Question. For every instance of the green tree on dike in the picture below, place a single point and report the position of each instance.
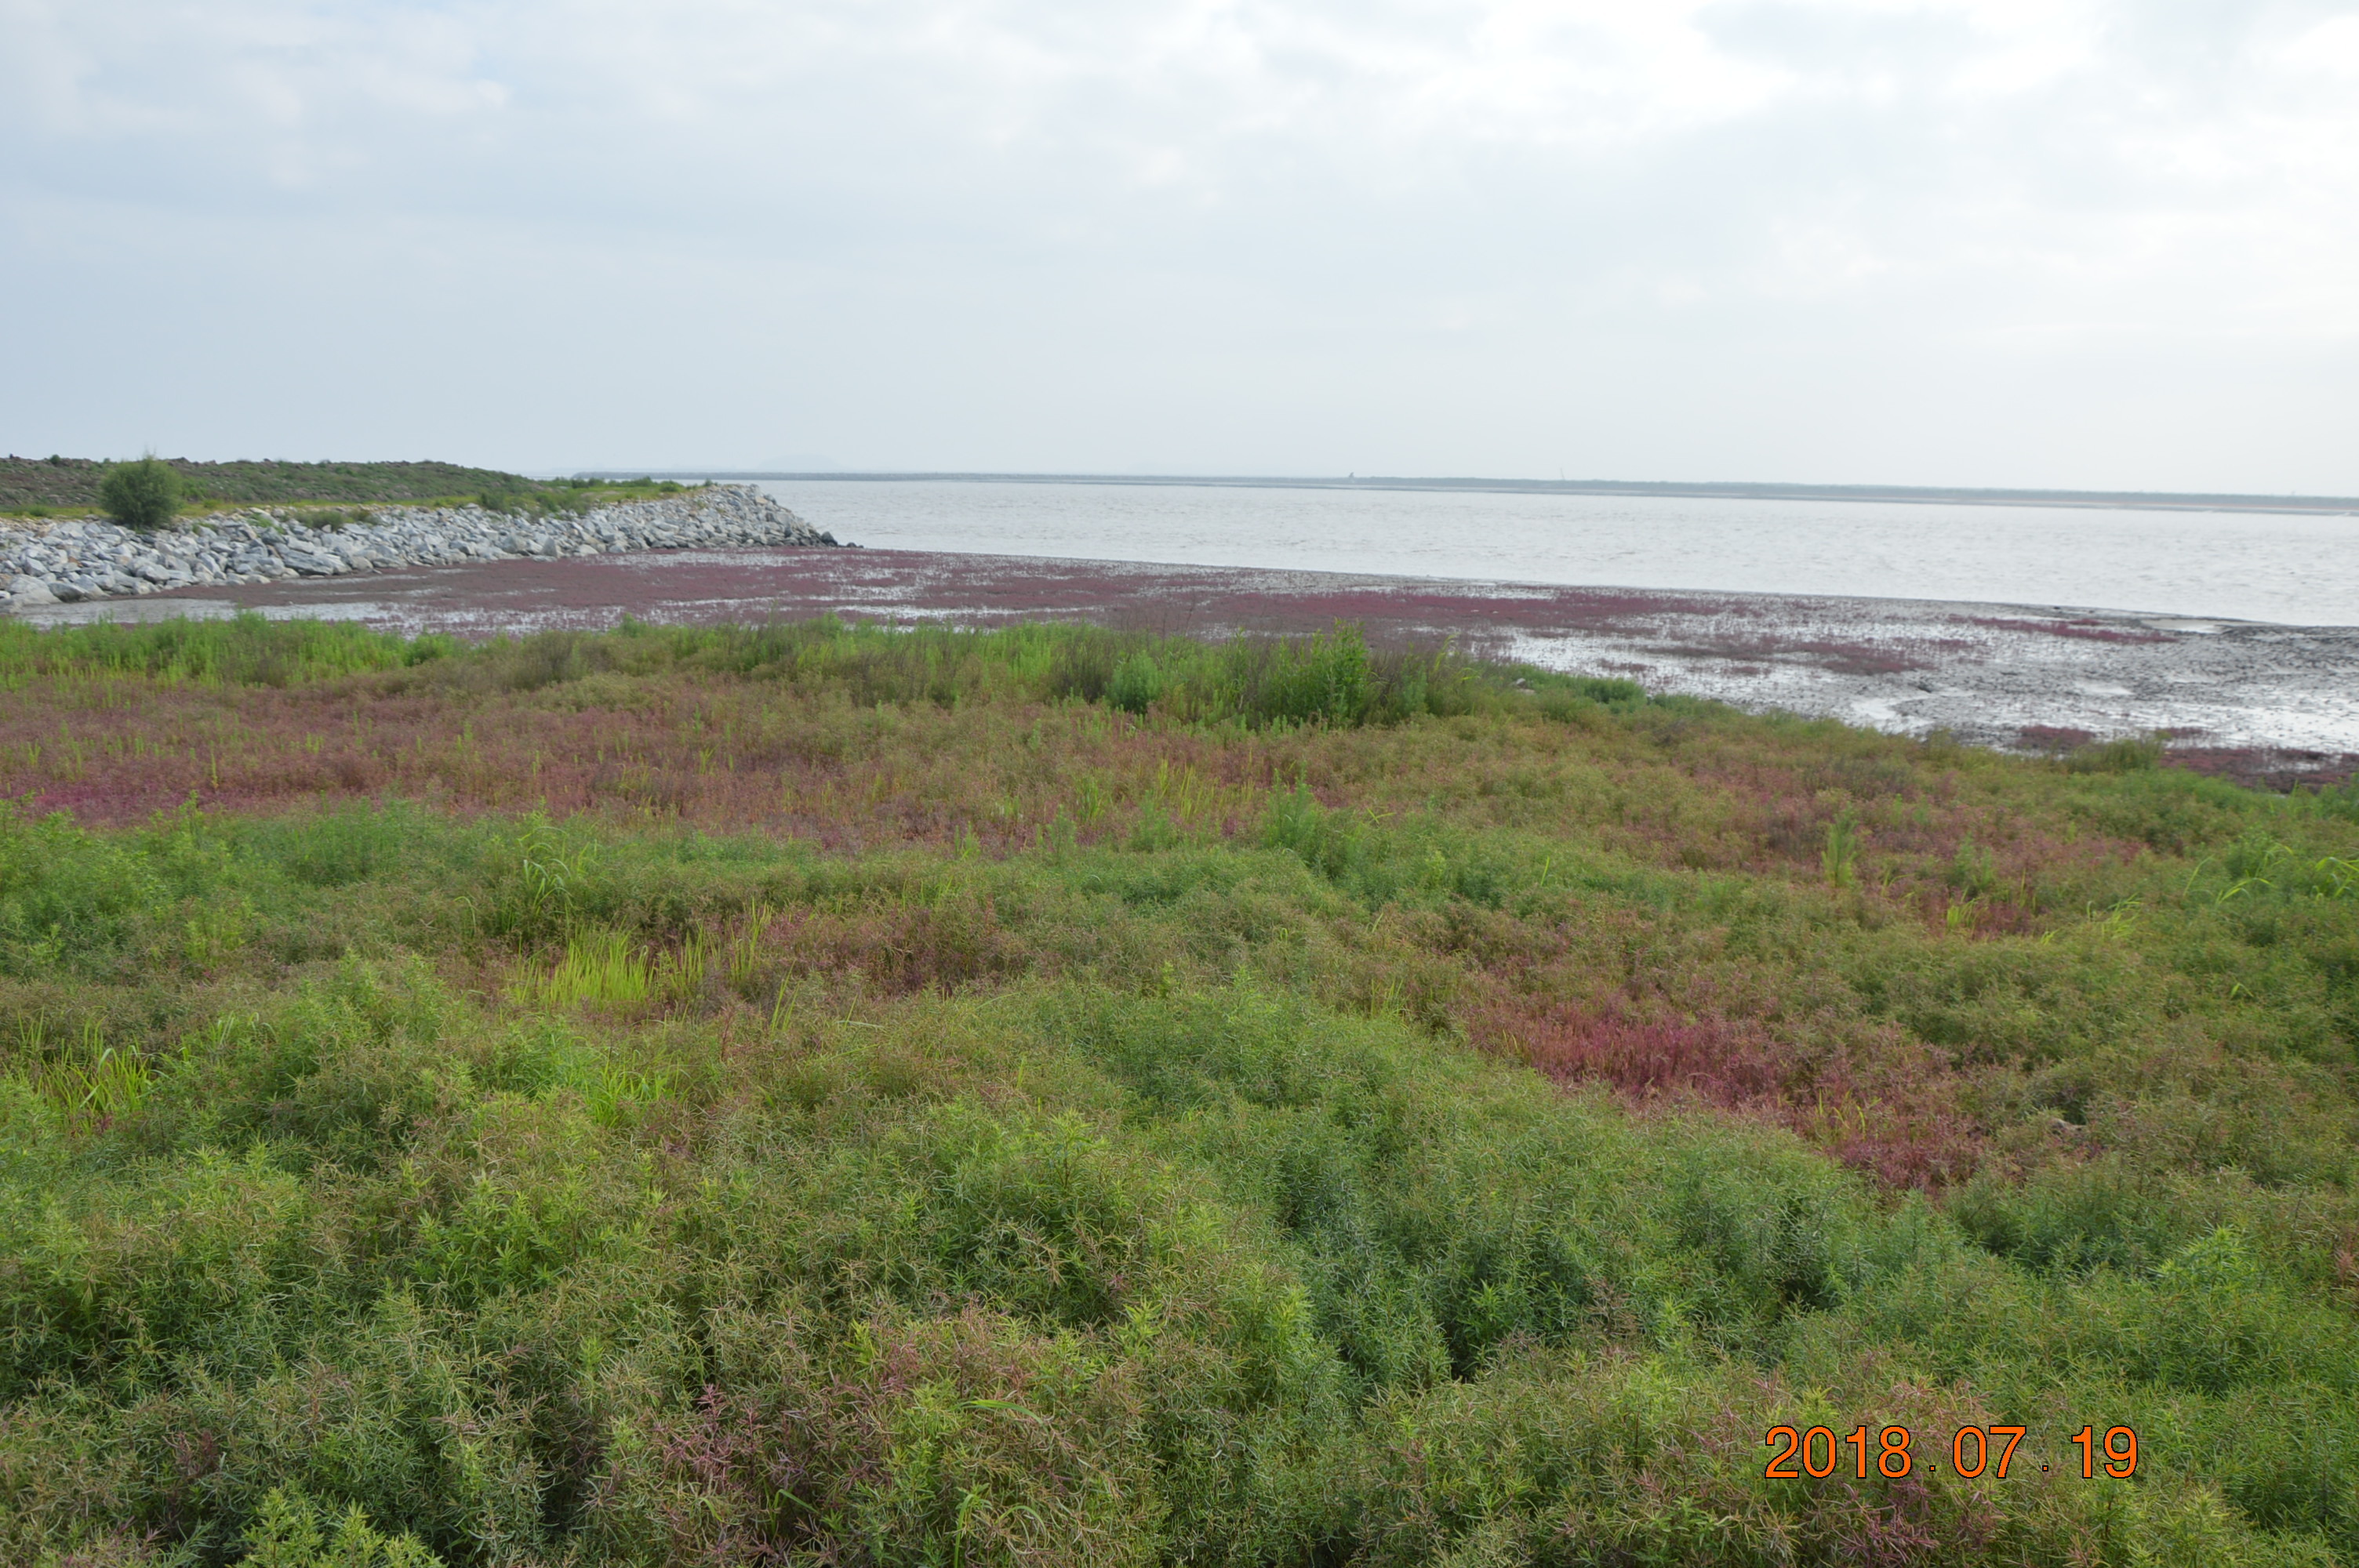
(142, 495)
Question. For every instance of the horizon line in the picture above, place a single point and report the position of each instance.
(1739, 489)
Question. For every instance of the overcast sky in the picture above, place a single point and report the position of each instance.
(1991, 242)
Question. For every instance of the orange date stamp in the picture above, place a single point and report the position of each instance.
(1975, 1451)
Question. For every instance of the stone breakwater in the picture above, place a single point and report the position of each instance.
(62, 562)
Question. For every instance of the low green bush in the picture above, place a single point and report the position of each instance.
(2128, 754)
(145, 495)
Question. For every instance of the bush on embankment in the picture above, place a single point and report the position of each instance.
(144, 495)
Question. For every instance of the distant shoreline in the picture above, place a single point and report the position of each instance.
(1924, 496)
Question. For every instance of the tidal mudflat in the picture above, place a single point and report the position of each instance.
(2266, 703)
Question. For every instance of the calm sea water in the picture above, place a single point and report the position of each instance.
(2252, 567)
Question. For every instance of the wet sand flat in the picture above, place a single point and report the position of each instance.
(2269, 702)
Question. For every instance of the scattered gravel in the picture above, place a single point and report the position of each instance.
(52, 563)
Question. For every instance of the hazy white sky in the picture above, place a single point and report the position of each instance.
(1987, 242)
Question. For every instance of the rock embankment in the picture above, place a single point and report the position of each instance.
(53, 562)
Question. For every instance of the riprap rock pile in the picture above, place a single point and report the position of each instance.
(46, 563)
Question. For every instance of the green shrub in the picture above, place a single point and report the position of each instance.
(247, 650)
(2340, 800)
(2126, 755)
(331, 516)
(1974, 870)
(1326, 680)
(1138, 682)
(68, 897)
(1839, 860)
(143, 495)
(288, 1535)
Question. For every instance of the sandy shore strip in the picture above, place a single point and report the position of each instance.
(2275, 704)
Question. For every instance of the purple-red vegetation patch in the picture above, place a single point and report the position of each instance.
(2086, 630)
(2056, 738)
(1894, 1113)
(1834, 655)
(2281, 769)
(714, 586)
